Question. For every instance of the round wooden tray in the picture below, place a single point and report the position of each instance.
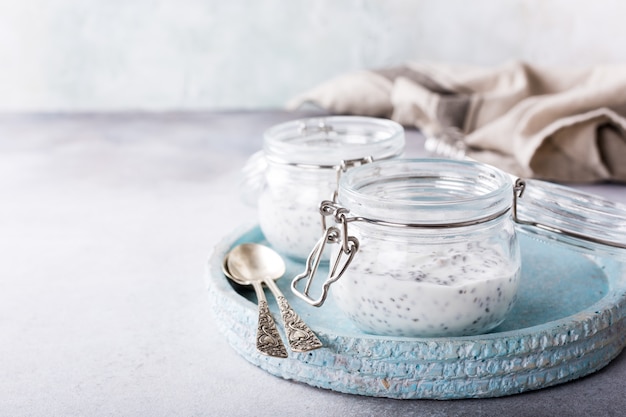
(569, 321)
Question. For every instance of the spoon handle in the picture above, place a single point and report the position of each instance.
(268, 340)
(300, 337)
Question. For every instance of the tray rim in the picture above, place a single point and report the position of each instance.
(591, 338)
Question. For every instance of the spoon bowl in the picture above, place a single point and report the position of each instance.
(251, 262)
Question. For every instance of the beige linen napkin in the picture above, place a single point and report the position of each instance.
(558, 124)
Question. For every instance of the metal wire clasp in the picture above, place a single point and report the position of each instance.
(518, 191)
(343, 167)
(342, 257)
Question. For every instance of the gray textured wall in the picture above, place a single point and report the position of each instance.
(219, 54)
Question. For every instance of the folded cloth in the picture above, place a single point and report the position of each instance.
(558, 124)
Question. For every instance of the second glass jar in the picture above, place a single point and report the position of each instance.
(303, 159)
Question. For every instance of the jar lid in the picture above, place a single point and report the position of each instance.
(326, 141)
(426, 192)
(572, 216)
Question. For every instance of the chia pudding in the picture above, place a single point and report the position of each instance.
(438, 253)
(289, 216)
(439, 290)
(303, 159)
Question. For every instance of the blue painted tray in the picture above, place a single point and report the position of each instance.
(569, 321)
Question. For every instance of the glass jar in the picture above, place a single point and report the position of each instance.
(303, 159)
(424, 248)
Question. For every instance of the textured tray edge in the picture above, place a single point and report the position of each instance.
(468, 368)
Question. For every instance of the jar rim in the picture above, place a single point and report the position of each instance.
(426, 191)
(323, 142)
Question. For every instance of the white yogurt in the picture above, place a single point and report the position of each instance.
(292, 222)
(439, 290)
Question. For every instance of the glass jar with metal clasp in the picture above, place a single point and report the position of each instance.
(420, 248)
(299, 166)
(429, 248)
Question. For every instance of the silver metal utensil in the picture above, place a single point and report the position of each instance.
(268, 339)
(252, 264)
